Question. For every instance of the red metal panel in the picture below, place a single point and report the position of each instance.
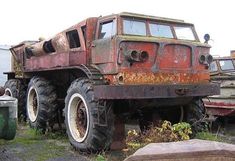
(47, 61)
(77, 58)
(150, 48)
(175, 57)
(220, 108)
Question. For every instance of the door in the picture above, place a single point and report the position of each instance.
(103, 48)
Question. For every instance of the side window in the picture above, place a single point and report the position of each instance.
(107, 29)
(73, 39)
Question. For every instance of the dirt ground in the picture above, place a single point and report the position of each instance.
(30, 146)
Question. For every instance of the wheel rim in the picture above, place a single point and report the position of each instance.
(8, 92)
(32, 104)
(78, 117)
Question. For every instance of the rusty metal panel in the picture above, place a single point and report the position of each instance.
(220, 107)
(47, 61)
(168, 62)
(175, 57)
(102, 51)
(150, 48)
(77, 58)
(56, 60)
(154, 91)
(147, 77)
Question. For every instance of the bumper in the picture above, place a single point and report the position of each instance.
(220, 106)
(155, 91)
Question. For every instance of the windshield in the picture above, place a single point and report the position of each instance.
(134, 27)
(138, 27)
(160, 30)
(226, 65)
(184, 33)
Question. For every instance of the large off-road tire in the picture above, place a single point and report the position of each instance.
(15, 88)
(195, 115)
(41, 103)
(81, 116)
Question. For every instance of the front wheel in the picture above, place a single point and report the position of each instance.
(81, 115)
(196, 116)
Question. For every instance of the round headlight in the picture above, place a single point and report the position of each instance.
(209, 58)
(144, 55)
(132, 55)
(202, 59)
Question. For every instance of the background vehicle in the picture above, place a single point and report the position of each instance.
(104, 70)
(222, 71)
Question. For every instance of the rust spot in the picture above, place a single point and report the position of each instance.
(159, 78)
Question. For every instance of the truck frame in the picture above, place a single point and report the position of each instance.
(104, 70)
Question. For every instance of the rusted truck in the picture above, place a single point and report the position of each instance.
(104, 70)
(222, 71)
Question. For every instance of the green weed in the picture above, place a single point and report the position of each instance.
(208, 136)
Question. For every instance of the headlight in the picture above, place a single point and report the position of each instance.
(202, 59)
(143, 56)
(209, 58)
(205, 59)
(132, 55)
(136, 56)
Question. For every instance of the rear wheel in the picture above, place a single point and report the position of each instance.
(15, 88)
(81, 116)
(41, 103)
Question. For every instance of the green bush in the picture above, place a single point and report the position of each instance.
(163, 133)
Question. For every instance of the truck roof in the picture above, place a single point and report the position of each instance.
(142, 16)
(27, 42)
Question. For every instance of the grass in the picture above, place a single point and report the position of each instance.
(30, 144)
(100, 157)
(208, 136)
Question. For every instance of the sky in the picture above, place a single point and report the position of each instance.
(30, 19)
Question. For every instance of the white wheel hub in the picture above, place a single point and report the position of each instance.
(8, 92)
(78, 117)
(32, 104)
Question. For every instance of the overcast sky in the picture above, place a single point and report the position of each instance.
(31, 19)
